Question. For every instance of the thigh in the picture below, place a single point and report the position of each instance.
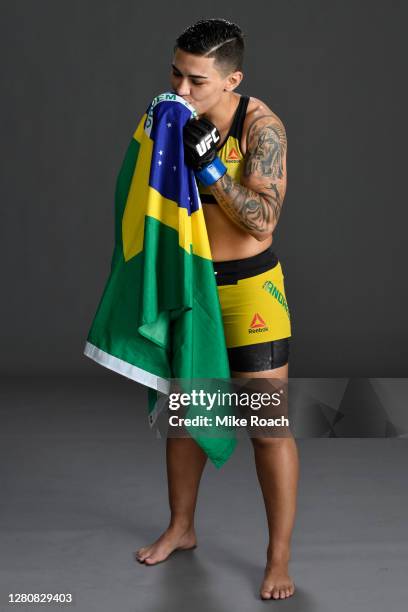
(272, 438)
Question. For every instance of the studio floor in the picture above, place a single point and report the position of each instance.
(83, 485)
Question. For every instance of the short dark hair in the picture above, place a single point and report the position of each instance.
(216, 38)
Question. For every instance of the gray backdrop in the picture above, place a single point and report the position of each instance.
(78, 75)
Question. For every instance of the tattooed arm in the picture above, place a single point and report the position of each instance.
(255, 203)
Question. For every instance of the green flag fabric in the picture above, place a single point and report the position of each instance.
(159, 316)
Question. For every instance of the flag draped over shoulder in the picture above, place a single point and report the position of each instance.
(159, 316)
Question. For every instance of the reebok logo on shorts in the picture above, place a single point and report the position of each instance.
(257, 324)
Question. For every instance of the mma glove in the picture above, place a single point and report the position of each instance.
(200, 138)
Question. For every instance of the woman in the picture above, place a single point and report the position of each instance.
(242, 174)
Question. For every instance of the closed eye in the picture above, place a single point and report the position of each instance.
(177, 74)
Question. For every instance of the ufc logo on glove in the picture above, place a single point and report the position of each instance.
(205, 144)
(200, 151)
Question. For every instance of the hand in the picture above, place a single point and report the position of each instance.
(200, 138)
(200, 142)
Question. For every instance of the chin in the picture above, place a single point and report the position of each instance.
(197, 108)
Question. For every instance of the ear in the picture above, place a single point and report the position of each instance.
(233, 80)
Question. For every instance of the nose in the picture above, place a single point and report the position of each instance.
(183, 88)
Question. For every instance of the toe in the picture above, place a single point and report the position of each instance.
(266, 591)
(282, 594)
(140, 551)
(142, 554)
(275, 593)
(153, 558)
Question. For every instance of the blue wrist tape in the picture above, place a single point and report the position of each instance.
(211, 173)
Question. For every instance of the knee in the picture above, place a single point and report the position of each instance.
(269, 442)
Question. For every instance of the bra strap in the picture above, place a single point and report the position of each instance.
(236, 128)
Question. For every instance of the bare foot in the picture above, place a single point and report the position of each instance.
(277, 583)
(174, 538)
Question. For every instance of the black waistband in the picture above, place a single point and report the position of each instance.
(230, 272)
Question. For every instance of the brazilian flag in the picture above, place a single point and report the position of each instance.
(159, 316)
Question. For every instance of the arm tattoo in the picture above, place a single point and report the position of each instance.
(244, 206)
(257, 211)
(267, 146)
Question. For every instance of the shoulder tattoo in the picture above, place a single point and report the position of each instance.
(266, 145)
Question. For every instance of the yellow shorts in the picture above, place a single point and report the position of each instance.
(255, 310)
